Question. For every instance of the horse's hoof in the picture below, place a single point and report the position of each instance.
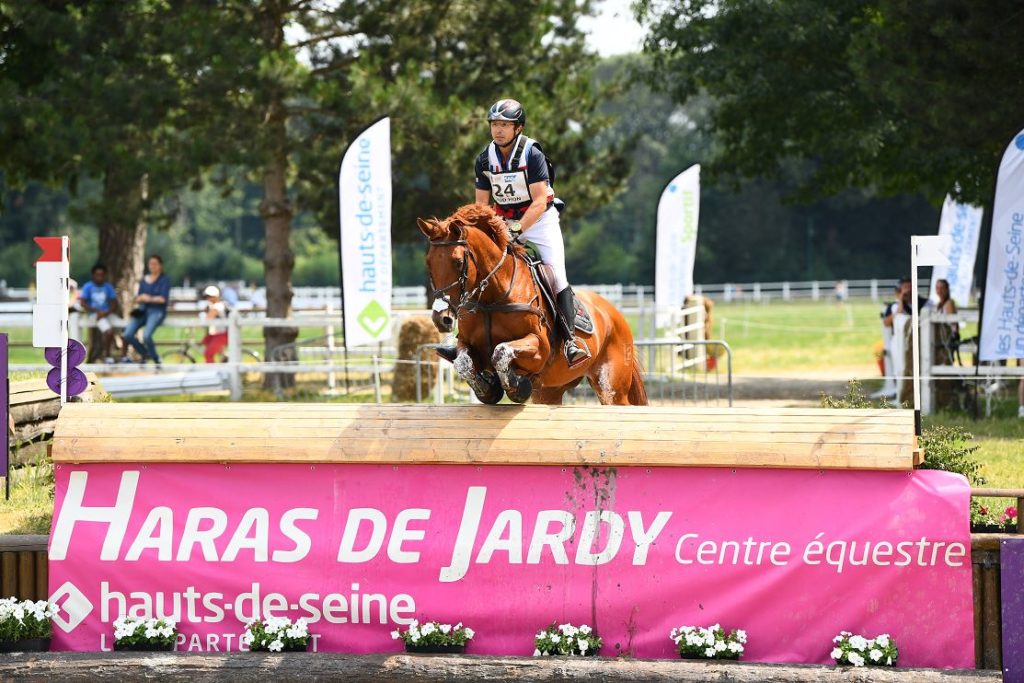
(523, 390)
(488, 388)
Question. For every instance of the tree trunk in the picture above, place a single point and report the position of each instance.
(276, 210)
(122, 240)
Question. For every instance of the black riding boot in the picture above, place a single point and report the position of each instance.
(567, 311)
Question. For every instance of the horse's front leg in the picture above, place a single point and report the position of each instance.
(485, 384)
(515, 361)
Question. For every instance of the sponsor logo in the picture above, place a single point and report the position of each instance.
(72, 607)
(373, 318)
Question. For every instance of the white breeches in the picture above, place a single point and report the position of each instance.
(546, 233)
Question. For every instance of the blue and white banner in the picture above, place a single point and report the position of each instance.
(364, 201)
(678, 213)
(1002, 326)
(962, 224)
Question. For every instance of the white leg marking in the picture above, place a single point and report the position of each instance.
(502, 360)
(604, 382)
(464, 365)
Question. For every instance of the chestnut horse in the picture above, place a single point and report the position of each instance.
(508, 340)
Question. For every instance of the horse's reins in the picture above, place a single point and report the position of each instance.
(470, 300)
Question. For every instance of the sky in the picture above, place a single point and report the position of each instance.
(613, 31)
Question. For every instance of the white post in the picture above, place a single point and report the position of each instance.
(757, 291)
(235, 355)
(874, 289)
(376, 378)
(815, 291)
(785, 291)
(927, 396)
(331, 377)
(914, 322)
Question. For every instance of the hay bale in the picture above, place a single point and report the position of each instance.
(415, 332)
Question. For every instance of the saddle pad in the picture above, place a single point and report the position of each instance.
(584, 323)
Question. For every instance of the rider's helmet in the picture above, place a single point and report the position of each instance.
(507, 110)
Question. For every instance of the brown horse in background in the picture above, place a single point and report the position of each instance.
(508, 337)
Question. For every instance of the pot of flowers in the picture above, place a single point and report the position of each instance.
(566, 640)
(144, 635)
(984, 521)
(434, 638)
(276, 634)
(697, 642)
(855, 650)
(25, 625)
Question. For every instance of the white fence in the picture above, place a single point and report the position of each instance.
(622, 295)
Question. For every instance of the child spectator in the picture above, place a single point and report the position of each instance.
(216, 337)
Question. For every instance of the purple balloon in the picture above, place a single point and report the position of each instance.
(76, 353)
(77, 381)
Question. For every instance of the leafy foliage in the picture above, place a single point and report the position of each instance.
(881, 94)
(25, 619)
(434, 633)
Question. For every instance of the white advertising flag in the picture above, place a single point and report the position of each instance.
(678, 213)
(364, 201)
(962, 223)
(1002, 325)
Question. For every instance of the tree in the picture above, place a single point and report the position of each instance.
(107, 91)
(893, 95)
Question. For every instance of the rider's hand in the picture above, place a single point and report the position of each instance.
(514, 227)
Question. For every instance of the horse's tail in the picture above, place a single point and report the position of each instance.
(637, 391)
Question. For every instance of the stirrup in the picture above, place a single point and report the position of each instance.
(449, 352)
(574, 353)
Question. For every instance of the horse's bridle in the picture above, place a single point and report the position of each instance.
(470, 300)
(468, 255)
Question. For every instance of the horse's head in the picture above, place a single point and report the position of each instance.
(448, 265)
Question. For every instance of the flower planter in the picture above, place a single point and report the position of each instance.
(687, 655)
(27, 645)
(144, 647)
(993, 528)
(436, 649)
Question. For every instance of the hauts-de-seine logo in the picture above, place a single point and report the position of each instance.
(373, 318)
(72, 607)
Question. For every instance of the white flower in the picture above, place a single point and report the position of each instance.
(469, 633)
(709, 652)
(735, 647)
(583, 645)
(395, 635)
(855, 659)
(741, 635)
(536, 653)
(585, 630)
(276, 646)
(446, 628)
(888, 662)
(875, 655)
(428, 629)
(883, 639)
(837, 654)
(720, 646)
(858, 642)
(152, 633)
(415, 638)
(555, 638)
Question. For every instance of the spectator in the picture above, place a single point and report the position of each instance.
(945, 345)
(99, 300)
(150, 309)
(216, 337)
(230, 295)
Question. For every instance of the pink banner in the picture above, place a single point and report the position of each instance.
(793, 557)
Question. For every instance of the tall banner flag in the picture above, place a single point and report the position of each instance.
(678, 212)
(962, 223)
(364, 209)
(1002, 325)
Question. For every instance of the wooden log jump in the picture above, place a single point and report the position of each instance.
(526, 435)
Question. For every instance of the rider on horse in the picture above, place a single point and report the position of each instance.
(513, 171)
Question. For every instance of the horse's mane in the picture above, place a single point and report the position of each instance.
(484, 219)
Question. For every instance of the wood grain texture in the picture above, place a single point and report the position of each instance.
(245, 667)
(523, 435)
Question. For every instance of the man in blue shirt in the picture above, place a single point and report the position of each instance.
(99, 300)
(513, 172)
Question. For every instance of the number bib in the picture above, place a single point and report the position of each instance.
(509, 189)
